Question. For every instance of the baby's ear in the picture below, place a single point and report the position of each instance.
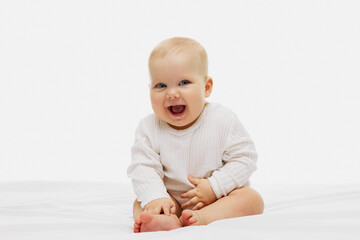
(208, 86)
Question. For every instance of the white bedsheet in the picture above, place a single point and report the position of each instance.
(94, 210)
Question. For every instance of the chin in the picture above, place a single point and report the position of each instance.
(176, 125)
(182, 126)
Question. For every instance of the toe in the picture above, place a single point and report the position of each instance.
(185, 217)
(192, 220)
(137, 220)
(136, 228)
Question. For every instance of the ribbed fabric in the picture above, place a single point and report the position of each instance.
(216, 147)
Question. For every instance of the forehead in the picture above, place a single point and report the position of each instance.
(176, 62)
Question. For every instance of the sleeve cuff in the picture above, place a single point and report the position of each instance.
(216, 187)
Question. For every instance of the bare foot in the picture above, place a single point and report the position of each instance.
(147, 222)
(190, 218)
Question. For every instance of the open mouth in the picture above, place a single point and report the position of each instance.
(177, 109)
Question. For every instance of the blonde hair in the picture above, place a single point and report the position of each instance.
(179, 44)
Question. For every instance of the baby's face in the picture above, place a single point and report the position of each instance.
(178, 89)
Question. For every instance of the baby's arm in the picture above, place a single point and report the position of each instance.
(146, 170)
(201, 196)
(239, 161)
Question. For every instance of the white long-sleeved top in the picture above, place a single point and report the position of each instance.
(216, 147)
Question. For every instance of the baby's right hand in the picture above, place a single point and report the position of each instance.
(161, 205)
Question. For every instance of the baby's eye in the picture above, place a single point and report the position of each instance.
(160, 85)
(184, 82)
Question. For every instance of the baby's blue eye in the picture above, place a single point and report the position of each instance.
(184, 82)
(160, 85)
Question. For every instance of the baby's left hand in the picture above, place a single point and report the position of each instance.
(201, 196)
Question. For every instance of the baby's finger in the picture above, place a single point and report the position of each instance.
(194, 181)
(189, 194)
(172, 210)
(166, 210)
(191, 202)
(157, 210)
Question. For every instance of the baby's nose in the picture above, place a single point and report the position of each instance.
(172, 94)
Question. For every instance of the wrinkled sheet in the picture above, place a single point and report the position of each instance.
(102, 210)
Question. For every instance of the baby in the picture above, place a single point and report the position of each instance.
(191, 160)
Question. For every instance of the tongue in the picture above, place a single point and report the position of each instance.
(177, 108)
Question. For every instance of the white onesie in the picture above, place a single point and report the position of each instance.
(216, 147)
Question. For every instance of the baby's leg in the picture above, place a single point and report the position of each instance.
(244, 201)
(147, 222)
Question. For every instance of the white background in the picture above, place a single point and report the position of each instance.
(74, 83)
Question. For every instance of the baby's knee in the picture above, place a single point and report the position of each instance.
(250, 199)
(258, 202)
